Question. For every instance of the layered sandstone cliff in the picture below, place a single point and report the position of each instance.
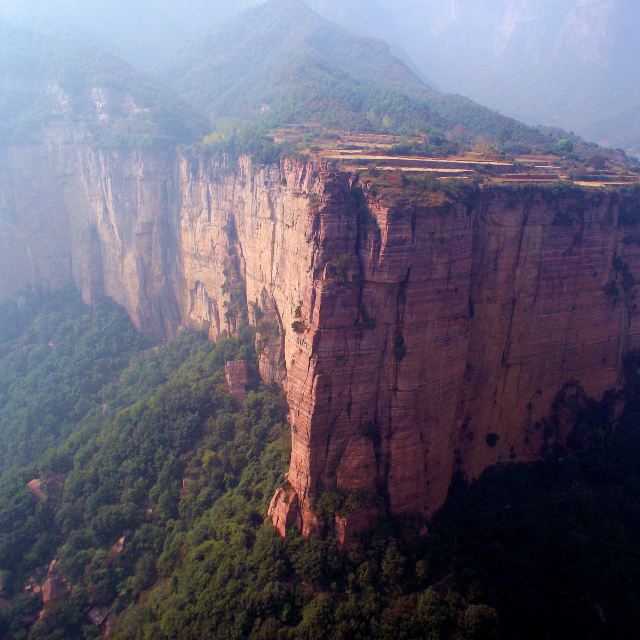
(443, 346)
(417, 332)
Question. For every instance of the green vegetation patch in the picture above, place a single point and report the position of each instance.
(183, 476)
(50, 80)
(56, 357)
(164, 445)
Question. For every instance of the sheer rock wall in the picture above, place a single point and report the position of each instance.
(417, 333)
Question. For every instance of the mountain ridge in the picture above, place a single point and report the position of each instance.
(568, 64)
(361, 80)
(47, 80)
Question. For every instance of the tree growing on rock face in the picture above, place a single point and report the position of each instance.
(598, 161)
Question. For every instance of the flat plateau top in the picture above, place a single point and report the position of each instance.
(388, 153)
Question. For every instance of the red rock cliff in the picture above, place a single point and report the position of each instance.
(439, 332)
(417, 332)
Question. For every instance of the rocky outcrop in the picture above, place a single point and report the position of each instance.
(237, 376)
(35, 486)
(443, 328)
(98, 615)
(41, 488)
(53, 589)
(418, 331)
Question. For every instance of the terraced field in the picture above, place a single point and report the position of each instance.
(378, 152)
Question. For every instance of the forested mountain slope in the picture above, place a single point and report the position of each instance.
(567, 63)
(281, 62)
(50, 83)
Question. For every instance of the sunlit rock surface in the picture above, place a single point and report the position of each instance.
(417, 333)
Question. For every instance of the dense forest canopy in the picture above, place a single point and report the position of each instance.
(56, 355)
(157, 486)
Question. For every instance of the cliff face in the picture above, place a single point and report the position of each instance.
(417, 332)
(444, 345)
(104, 220)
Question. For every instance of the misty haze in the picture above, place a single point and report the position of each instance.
(319, 320)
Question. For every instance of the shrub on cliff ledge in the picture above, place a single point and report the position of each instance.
(251, 141)
(299, 326)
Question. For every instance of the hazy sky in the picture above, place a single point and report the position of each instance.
(145, 31)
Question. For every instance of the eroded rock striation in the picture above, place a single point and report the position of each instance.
(418, 331)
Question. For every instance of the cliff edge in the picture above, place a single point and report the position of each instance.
(419, 328)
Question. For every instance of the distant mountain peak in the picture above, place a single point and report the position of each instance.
(284, 55)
